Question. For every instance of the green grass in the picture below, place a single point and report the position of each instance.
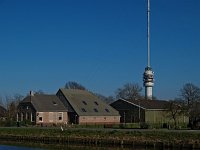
(100, 132)
(137, 135)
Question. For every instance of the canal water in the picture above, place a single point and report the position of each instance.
(6, 145)
(39, 146)
(60, 147)
(9, 147)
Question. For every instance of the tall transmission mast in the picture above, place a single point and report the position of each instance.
(148, 76)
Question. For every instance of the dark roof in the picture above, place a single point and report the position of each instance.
(87, 104)
(45, 103)
(148, 104)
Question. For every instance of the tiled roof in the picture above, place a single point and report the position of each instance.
(149, 104)
(87, 104)
(45, 103)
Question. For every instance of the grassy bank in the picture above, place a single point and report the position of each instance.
(123, 136)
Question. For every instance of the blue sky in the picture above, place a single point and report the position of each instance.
(100, 44)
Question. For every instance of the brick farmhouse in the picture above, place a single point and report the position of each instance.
(68, 106)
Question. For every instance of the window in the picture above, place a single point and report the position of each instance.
(95, 110)
(17, 117)
(84, 102)
(32, 117)
(22, 116)
(40, 118)
(27, 116)
(60, 116)
(50, 116)
(107, 110)
(96, 103)
(83, 109)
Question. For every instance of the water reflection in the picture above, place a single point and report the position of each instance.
(9, 147)
(22, 146)
(39, 146)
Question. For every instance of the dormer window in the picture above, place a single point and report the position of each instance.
(54, 103)
(96, 103)
(84, 102)
(96, 110)
(83, 109)
(107, 110)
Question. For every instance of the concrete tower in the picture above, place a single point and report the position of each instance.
(148, 76)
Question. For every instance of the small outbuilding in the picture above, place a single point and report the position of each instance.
(144, 111)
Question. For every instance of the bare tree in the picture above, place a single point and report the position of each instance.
(17, 98)
(107, 100)
(74, 85)
(2, 108)
(1, 101)
(190, 93)
(39, 92)
(11, 108)
(174, 110)
(129, 91)
(11, 104)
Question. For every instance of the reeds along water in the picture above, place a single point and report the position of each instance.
(95, 142)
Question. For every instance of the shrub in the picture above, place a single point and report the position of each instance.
(144, 125)
(165, 125)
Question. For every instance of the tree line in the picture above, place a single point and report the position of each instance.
(188, 104)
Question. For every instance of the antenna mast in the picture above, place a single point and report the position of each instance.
(148, 76)
(148, 32)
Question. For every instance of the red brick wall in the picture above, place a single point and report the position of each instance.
(99, 119)
(52, 118)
